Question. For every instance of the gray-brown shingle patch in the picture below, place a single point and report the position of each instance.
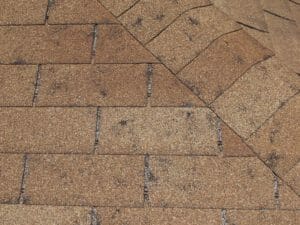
(47, 130)
(93, 85)
(85, 180)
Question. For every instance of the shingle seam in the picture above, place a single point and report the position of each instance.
(163, 207)
(239, 77)
(85, 63)
(22, 196)
(219, 135)
(292, 167)
(276, 191)
(126, 10)
(294, 2)
(250, 147)
(116, 154)
(224, 217)
(277, 15)
(58, 24)
(174, 20)
(95, 220)
(97, 129)
(252, 27)
(149, 74)
(49, 5)
(214, 40)
(147, 175)
(157, 58)
(272, 115)
(36, 85)
(94, 43)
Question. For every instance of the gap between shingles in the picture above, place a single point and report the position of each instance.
(224, 217)
(36, 85)
(94, 43)
(97, 129)
(95, 220)
(147, 175)
(219, 135)
(49, 4)
(276, 191)
(22, 197)
(149, 74)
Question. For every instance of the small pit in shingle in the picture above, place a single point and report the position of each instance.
(138, 22)
(123, 122)
(193, 21)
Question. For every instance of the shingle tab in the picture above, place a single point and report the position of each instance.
(45, 44)
(47, 130)
(85, 180)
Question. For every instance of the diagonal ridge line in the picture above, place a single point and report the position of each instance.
(252, 27)
(272, 115)
(174, 20)
(126, 10)
(277, 15)
(240, 76)
(214, 40)
(251, 148)
(159, 60)
(294, 2)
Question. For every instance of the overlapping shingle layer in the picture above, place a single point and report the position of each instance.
(150, 112)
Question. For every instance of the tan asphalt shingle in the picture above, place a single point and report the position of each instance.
(149, 112)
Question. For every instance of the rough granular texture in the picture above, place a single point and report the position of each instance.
(251, 100)
(158, 131)
(149, 112)
(45, 44)
(36, 215)
(78, 12)
(11, 170)
(93, 85)
(47, 130)
(17, 85)
(200, 181)
(85, 180)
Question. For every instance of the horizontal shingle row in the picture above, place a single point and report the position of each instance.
(54, 12)
(92, 85)
(40, 44)
(118, 130)
(170, 181)
(48, 215)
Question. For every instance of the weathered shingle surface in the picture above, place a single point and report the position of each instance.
(149, 112)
